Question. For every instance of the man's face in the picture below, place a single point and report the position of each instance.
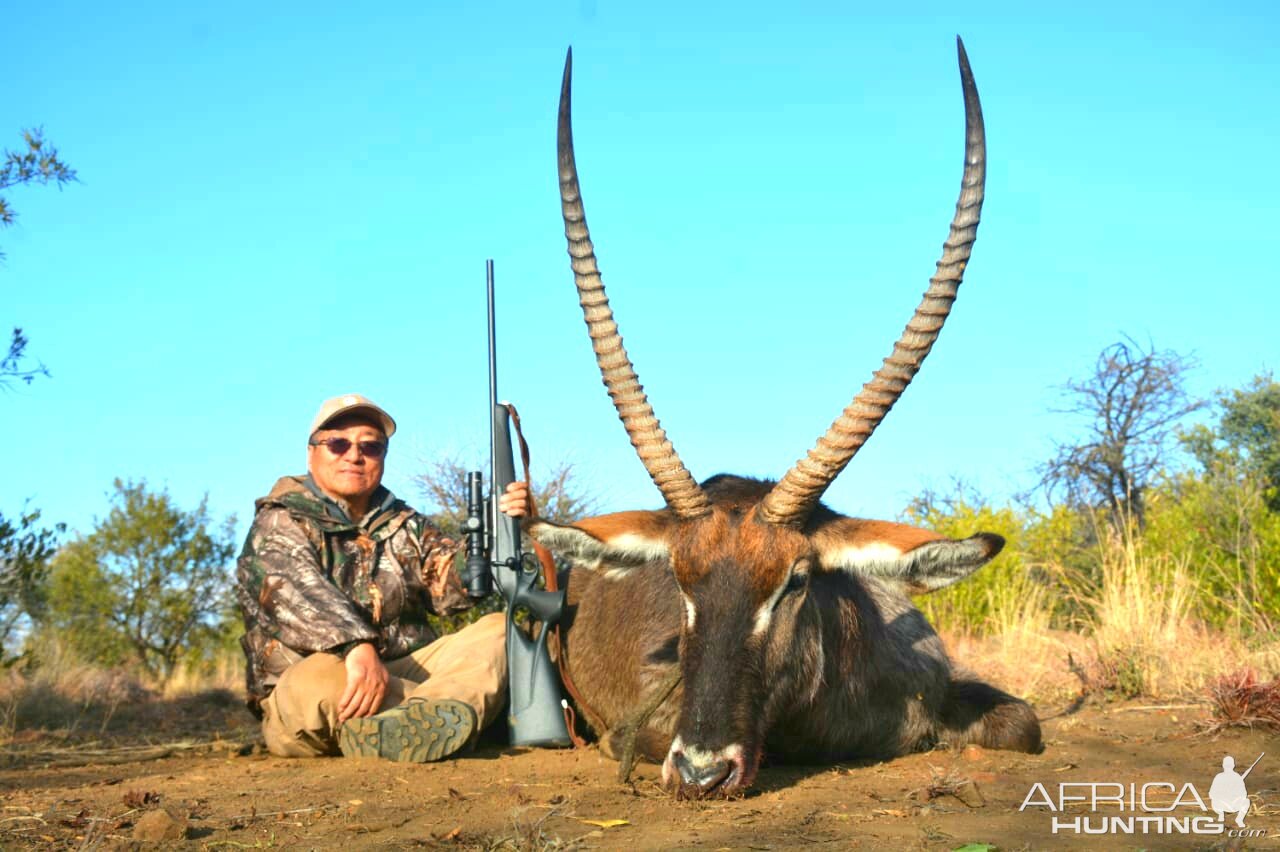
(353, 476)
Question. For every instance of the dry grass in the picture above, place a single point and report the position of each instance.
(73, 698)
(1031, 665)
(949, 782)
(226, 671)
(1240, 699)
(64, 703)
(529, 834)
(1018, 650)
(1143, 606)
(1137, 633)
(1146, 634)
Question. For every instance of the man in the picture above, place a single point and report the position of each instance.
(335, 582)
(1227, 793)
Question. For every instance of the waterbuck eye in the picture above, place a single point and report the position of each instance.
(797, 580)
(798, 583)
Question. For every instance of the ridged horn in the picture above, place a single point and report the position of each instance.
(796, 494)
(656, 453)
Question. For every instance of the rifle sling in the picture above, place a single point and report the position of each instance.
(552, 585)
(629, 727)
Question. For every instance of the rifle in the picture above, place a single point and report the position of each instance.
(494, 557)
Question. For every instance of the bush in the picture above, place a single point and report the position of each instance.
(150, 585)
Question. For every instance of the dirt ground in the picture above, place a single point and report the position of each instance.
(216, 790)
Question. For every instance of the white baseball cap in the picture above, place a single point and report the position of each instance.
(332, 408)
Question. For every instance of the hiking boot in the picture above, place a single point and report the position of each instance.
(418, 731)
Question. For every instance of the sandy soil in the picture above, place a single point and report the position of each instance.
(227, 794)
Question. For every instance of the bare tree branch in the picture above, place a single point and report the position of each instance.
(1131, 406)
(10, 364)
(558, 494)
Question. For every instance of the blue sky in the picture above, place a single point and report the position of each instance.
(283, 202)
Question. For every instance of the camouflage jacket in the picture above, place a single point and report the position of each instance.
(311, 579)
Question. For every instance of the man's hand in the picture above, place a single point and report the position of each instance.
(366, 683)
(515, 500)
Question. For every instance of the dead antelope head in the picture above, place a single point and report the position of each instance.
(747, 554)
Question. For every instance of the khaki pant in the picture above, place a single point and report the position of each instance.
(300, 716)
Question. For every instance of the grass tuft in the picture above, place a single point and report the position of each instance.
(1240, 699)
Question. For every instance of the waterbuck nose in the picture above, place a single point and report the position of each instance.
(703, 777)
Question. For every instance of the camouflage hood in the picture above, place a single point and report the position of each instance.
(303, 499)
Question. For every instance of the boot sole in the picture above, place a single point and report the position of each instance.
(417, 732)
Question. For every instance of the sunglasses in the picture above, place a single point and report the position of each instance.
(340, 446)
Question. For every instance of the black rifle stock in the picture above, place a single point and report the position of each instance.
(494, 557)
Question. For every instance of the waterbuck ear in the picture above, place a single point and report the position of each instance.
(920, 560)
(620, 541)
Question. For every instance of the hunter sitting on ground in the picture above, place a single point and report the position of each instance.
(335, 582)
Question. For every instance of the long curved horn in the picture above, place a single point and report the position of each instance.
(795, 495)
(656, 453)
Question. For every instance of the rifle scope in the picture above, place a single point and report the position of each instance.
(479, 574)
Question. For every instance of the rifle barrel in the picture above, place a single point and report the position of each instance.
(493, 338)
(534, 716)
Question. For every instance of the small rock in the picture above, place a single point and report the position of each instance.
(161, 824)
(973, 752)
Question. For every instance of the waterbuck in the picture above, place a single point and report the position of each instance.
(790, 625)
